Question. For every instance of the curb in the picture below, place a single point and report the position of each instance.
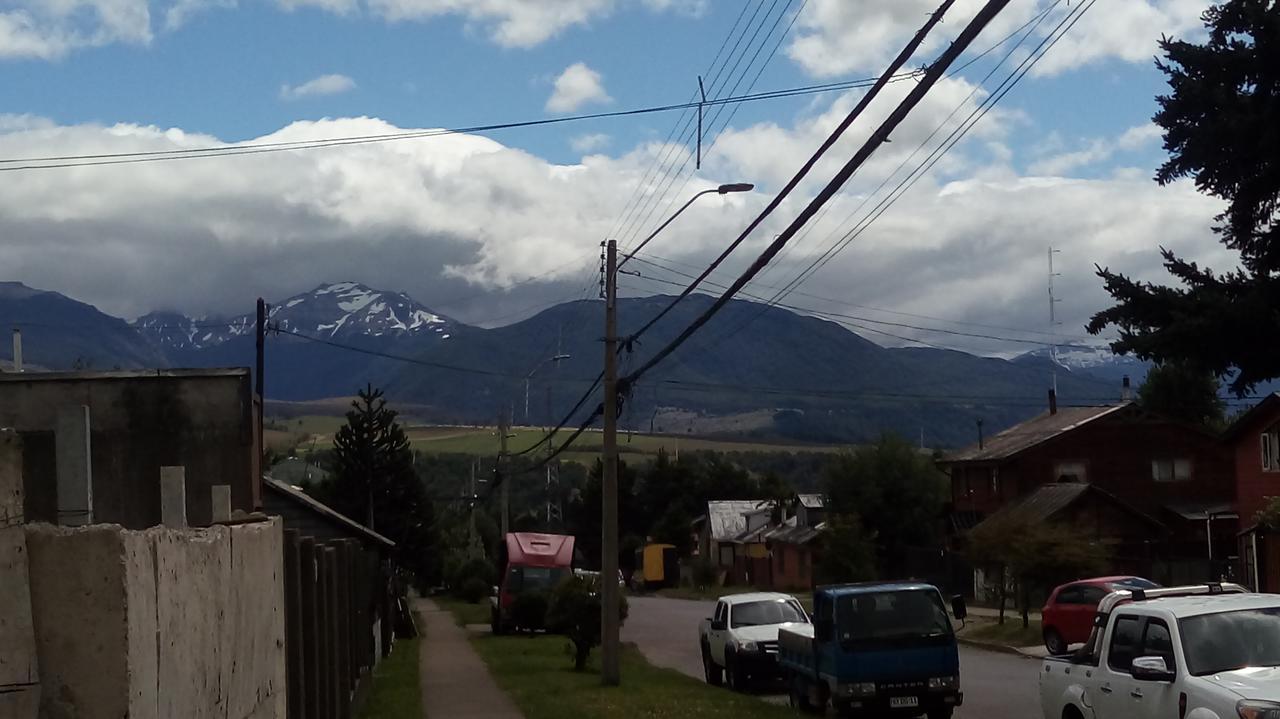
(994, 647)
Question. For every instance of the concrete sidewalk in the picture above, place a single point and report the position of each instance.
(456, 684)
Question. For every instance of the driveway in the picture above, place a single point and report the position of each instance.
(996, 685)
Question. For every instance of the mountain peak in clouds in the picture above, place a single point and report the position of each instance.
(333, 310)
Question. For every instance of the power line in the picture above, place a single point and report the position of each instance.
(878, 137)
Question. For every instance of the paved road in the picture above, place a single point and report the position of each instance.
(996, 685)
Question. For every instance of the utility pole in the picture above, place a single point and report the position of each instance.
(260, 399)
(609, 641)
(498, 471)
(1053, 321)
(473, 539)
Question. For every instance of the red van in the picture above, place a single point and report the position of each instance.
(528, 562)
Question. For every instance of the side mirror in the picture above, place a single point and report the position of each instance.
(958, 608)
(717, 626)
(493, 591)
(1151, 669)
(822, 629)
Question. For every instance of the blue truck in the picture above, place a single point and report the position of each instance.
(875, 649)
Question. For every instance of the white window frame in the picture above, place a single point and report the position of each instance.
(1270, 441)
(1179, 469)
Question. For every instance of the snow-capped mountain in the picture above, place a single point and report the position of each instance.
(1097, 360)
(331, 311)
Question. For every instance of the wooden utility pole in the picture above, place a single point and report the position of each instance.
(260, 400)
(501, 477)
(609, 641)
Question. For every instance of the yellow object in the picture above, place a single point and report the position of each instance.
(654, 569)
(757, 551)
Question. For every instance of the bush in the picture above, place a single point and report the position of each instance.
(574, 611)
(473, 589)
(705, 574)
(467, 570)
(529, 610)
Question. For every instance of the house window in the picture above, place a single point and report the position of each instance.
(1070, 472)
(1171, 470)
(1271, 450)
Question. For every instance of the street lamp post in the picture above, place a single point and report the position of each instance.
(610, 623)
(557, 359)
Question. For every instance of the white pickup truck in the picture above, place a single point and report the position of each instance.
(1204, 652)
(740, 640)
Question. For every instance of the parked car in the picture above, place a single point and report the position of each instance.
(740, 640)
(1067, 616)
(1203, 652)
(875, 649)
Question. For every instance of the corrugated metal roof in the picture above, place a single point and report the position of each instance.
(1050, 499)
(812, 501)
(727, 517)
(1255, 412)
(1024, 436)
(791, 534)
(297, 495)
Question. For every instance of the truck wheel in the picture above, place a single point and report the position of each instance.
(495, 622)
(1054, 642)
(715, 677)
(799, 695)
(738, 679)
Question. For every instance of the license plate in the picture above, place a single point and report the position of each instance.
(903, 702)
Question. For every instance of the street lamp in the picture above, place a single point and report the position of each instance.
(555, 358)
(609, 592)
(721, 190)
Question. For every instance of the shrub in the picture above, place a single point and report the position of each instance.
(574, 611)
(473, 589)
(529, 610)
(705, 574)
(467, 570)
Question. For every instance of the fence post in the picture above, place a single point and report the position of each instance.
(343, 661)
(173, 497)
(220, 496)
(333, 671)
(294, 678)
(74, 452)
(310, 627)
(324, 673)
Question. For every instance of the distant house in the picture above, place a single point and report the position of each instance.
(791, 545)
(1254, 440)
(1180, 476)
(721, 528)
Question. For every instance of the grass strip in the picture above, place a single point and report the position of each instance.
(396, 691)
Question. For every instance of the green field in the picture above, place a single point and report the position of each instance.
(536, 671)
(465, 612)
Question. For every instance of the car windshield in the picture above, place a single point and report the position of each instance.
(769, 611)
(1231, 640)
(891, 615)
(1134, 583)
(532, 579)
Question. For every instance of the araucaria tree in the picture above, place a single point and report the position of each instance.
(1221, 124)
(374, 482)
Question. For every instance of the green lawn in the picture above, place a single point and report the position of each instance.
(537, 673)
(484, 440)
(1010, 633)
(396, 693)
(464, 612)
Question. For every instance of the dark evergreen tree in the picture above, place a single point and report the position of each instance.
(374, 483)
(1181, 392)
(1221, 125)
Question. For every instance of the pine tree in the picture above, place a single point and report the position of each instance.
(375, 483)
(1221, 125)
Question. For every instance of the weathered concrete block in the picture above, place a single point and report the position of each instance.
(90, 648)
(255, 622)
(10, 478)
(193, 581)
(74, 466)
(173, 497)
(18, 665)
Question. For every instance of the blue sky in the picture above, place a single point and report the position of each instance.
(511, 221)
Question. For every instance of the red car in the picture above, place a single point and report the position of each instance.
(1067, 616)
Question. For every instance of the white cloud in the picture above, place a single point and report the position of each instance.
(590, 142)
(43, 30)
(578, 85)
(459, 215)
(322, 85)
(181, 11)
(1098, 150)
(836, 37)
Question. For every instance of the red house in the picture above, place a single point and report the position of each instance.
(1254, 439)
(1180, 475)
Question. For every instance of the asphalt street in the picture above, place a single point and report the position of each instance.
(996, 685)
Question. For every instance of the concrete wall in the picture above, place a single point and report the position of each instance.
(201, 420)
(19, 670)
(159, 623)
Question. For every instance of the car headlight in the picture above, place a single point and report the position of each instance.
(1252, 709)
(747, 646)
(942, 683)
(861, 689)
